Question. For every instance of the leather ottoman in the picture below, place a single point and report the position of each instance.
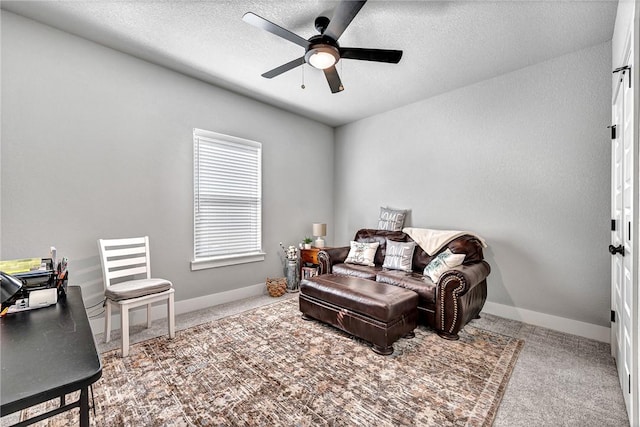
(375, 312)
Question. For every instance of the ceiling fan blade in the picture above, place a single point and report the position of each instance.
(334, 79)
(284, 68)
(342, 17)
(260, 22)
(378, 55)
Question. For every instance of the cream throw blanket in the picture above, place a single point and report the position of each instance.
(431, 241)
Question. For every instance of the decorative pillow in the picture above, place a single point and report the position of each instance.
(362, 253)
(446, 260)
(391, 219)
(399, 255)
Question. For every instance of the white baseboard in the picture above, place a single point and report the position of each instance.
(562, 324)
(159, 311)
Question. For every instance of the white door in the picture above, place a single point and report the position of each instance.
(616, 226)
(623, 234)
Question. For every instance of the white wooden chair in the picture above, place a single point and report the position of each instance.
(126, 271)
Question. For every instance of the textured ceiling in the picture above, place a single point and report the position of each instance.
(446, 45)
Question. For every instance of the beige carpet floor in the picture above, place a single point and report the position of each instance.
(269, 367)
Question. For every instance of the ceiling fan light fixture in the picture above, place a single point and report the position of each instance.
(322, 56)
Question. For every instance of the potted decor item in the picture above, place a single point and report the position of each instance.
(276, 287)
(291, 268)
(307, 242)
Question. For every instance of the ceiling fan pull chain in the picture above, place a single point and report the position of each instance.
(302, 85)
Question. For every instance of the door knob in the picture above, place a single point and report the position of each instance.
(616, 250)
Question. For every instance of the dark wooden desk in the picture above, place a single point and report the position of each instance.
(47, 353)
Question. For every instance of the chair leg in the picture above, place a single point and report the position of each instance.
(107, 322)
(124, 315)
(171, 317)
(148, 316)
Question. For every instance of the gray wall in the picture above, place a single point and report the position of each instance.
(98, 144)
(522, 159)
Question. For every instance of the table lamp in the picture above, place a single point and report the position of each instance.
(319, 231)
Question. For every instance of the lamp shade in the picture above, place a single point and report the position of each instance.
(319, 229)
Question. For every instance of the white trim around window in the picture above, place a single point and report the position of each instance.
(227, 193)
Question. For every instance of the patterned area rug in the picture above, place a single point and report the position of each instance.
(269, 367)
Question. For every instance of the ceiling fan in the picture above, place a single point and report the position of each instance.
(322, 51)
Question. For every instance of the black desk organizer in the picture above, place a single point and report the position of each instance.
(57, 277)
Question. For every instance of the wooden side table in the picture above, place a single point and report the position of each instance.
(309, 260)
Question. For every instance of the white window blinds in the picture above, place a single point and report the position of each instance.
(227, 197)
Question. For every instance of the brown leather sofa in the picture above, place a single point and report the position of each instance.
(446, 306)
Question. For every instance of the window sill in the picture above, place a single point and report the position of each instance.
(223, 261)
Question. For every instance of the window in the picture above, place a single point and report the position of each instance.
(227, 200)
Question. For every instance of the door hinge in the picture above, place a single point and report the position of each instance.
(613, 316)
(624, 70)
(613, 131)
(629, 383)
(629, 233)
(613, 225)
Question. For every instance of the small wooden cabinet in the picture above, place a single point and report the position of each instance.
(309, 262)
(309, 256)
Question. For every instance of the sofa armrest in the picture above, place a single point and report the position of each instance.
(470, 276)
(327, 258)
(460, 295)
